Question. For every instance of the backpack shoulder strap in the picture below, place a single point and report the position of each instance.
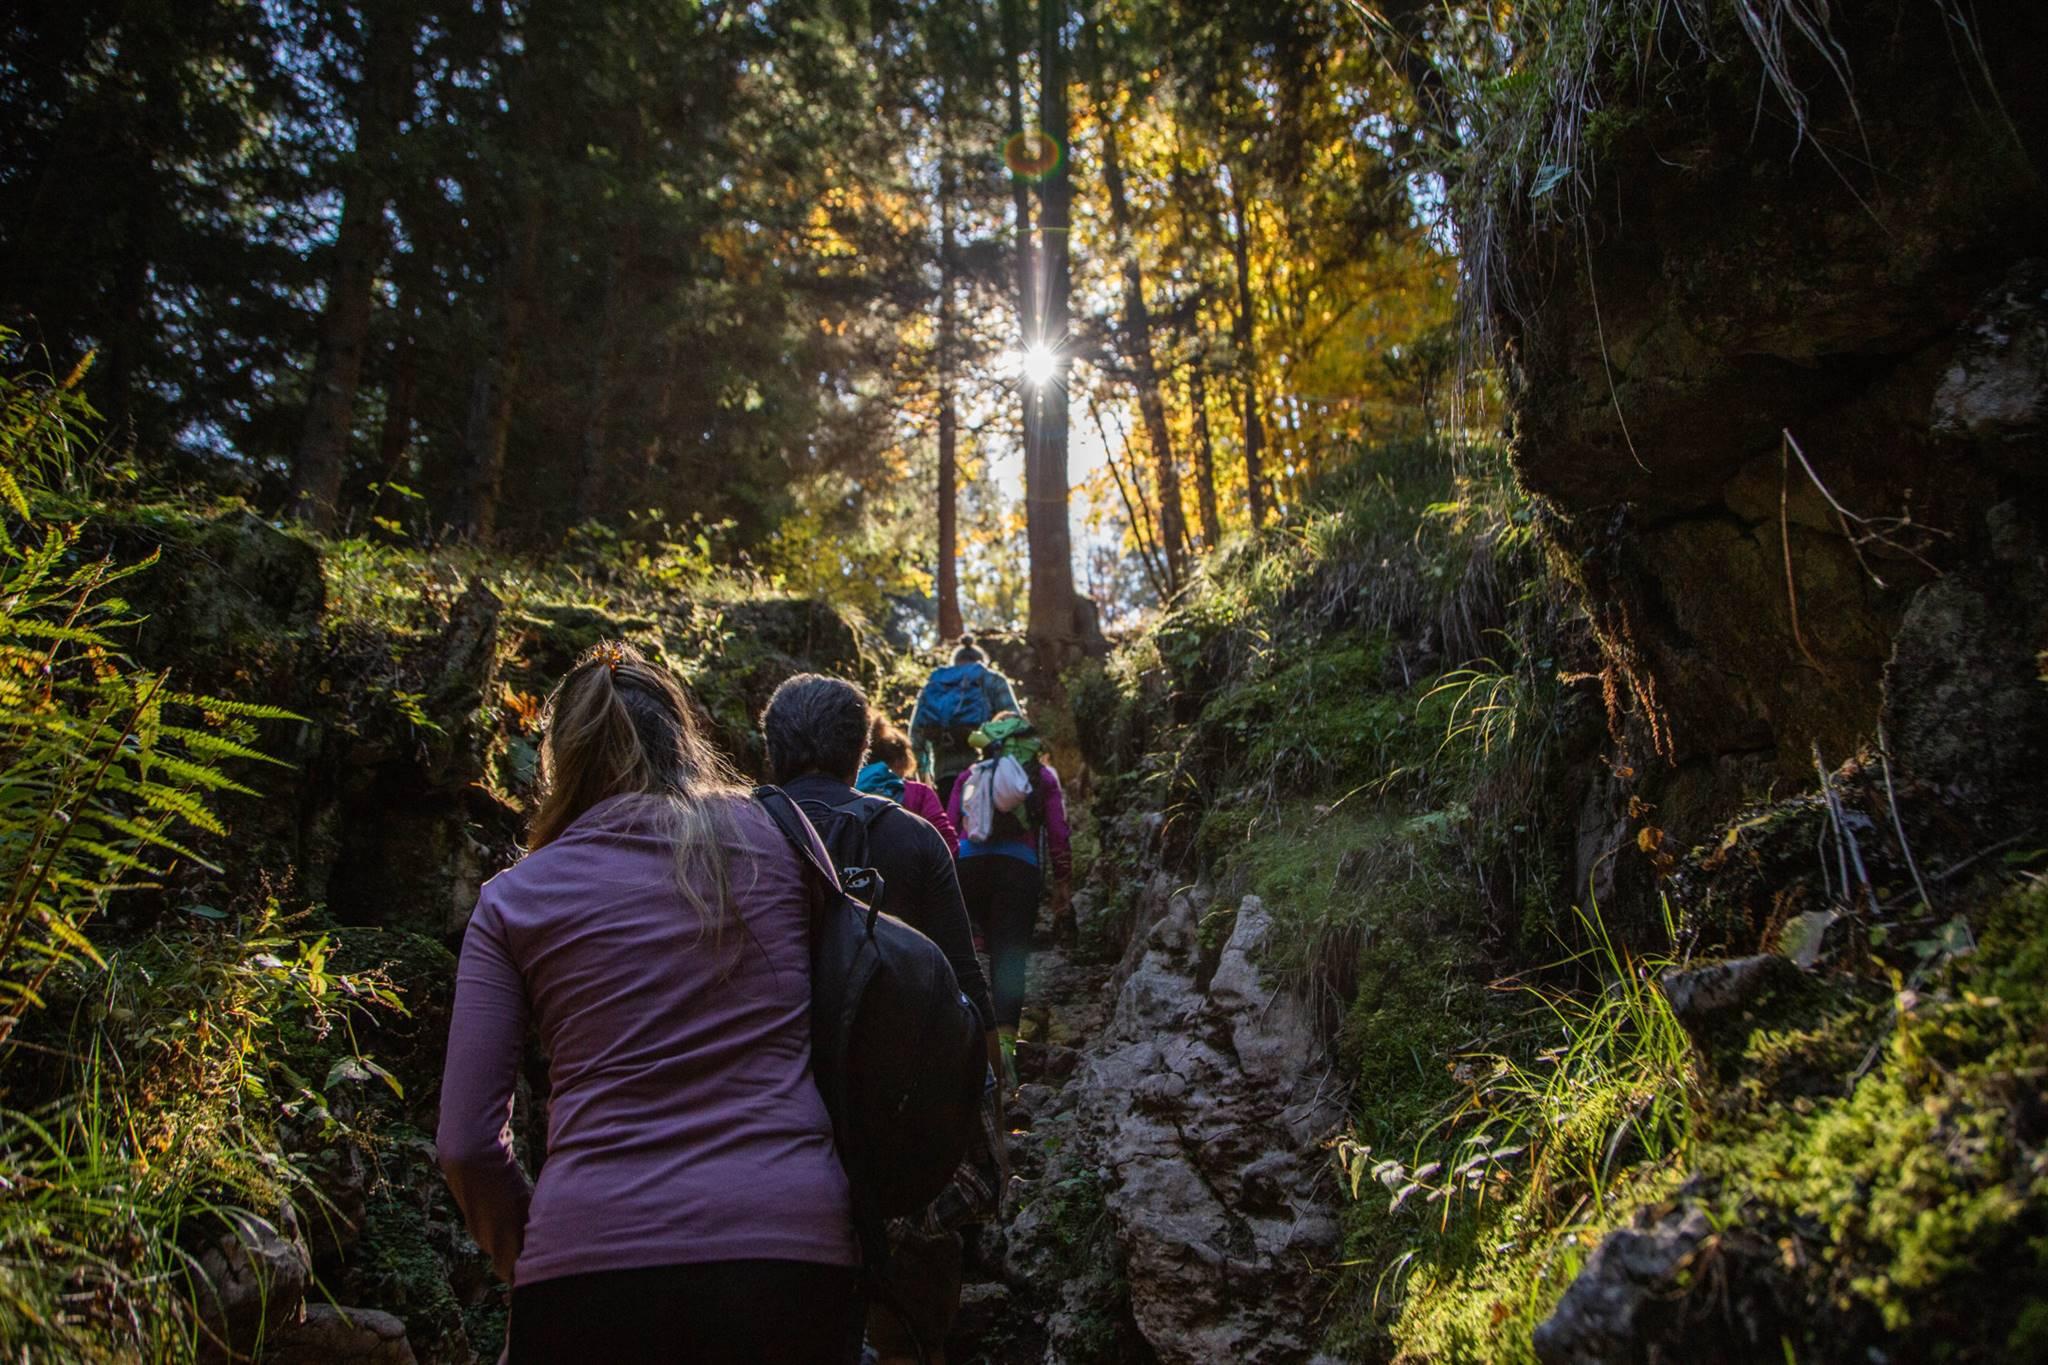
(867, 808)
(794, 827)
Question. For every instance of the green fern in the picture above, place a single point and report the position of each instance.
(100, 762)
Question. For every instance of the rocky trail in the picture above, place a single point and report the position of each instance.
(1170, 1185)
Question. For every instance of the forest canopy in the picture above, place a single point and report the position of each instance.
(770, 274)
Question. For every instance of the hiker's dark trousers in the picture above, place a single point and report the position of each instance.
(717, 1313)
(1002, 896)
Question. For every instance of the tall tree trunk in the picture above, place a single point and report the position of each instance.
(395, 440)
(593, 484)
(1052, 626)
(1014, 44)
(1205, 451)
(1020, 192)
(1246, 340)
(1137, 347)
(950, 624)
(322, 459)
(474, 516)
(642, 474)
(131, 317)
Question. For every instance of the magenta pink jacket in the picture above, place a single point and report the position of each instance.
(924, 801)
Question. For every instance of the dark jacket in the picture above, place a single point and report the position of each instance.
(919, 885)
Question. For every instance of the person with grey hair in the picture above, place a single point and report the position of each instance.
(816, 732)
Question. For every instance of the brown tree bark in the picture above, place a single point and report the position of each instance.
(132, 311)
(474, 516)
(1020, 192)
(1137, 348)
(322, 458)
(950, 624)
(1205, 452)
(593, 484)
(655, 448)
(1245, 338)
(1051, 623)
(395, 439)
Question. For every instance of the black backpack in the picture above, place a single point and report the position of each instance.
(896, 1048)
(844, 829)
(1028, 818)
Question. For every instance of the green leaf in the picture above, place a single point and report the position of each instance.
(1955, 937)
(360, 1069)
(1547, 179)
(1803, 935)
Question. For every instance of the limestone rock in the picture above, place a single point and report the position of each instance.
(1198, 1116)
(1963, 705)
(1698, 993)
(254, 1273)
(235, 583)
(1664, 347)
(1996, 388)
(327, 1335)
(1632, 1275)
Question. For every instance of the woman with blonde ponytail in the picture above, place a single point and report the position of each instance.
(656, 936)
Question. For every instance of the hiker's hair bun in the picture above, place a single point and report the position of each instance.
(966, 642)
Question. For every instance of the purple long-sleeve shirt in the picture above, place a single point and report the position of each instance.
(684, 1124)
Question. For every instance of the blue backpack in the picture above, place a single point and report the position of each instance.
(955, 701)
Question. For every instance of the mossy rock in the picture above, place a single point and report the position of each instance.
(227, 586)
(403, 1266)
(551, 636)
(817, 634)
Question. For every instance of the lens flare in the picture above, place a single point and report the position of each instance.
(1033, 154)
(1040, 366)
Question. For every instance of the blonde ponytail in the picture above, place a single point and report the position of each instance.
(619, 725)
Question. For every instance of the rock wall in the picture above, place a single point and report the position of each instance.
(1872, 284)
(1197, 1116)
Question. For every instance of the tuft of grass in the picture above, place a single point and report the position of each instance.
(1588, 1098)
(157, 1130)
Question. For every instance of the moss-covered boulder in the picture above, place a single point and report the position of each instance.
(1772, 372)
(227, 588)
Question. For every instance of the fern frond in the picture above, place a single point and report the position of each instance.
(198, 774)
(34, 629)
(170, 799)
(218, 746)
(68, 934)
(154, 838)
(10, 491)
(115, 857)
(221, 706)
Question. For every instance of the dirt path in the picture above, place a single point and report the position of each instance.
(1002, 1312)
